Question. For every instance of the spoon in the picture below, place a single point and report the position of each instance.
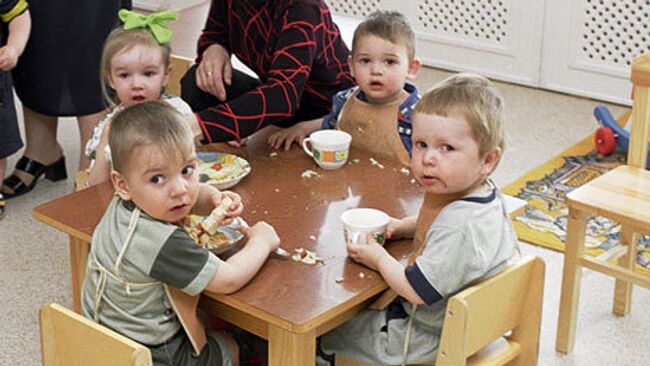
(281, 252)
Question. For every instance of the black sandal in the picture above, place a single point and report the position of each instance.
(54, 172)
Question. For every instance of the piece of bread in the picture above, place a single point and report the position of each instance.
(212, 222)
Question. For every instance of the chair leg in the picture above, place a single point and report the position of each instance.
(571, 277)
(623, 289)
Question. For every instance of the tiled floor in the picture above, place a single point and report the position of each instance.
(539, 125)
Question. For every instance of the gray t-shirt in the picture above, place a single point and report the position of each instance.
(471, 239)
(159, 253)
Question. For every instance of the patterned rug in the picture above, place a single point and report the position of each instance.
(544, 188)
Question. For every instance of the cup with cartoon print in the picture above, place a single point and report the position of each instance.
(365, 226)
(329, 148)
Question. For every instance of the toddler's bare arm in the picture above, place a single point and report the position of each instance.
(234, 273)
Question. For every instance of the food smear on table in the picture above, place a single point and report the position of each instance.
(306, 256)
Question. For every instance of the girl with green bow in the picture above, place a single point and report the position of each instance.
(136, 66)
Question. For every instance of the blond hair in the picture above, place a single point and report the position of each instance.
(120, 40)
(389, 25)
(150, 123)
(474, 98)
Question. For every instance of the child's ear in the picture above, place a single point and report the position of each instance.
(109, 79)
(490, 161)
(414, 68)
(120, 185)
(351, 64)
(168, 74)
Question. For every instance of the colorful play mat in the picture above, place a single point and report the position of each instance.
(544, 188)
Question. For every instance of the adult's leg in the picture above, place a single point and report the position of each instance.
(86, 124)
(200, 100)
(41, 144)
(3, 166)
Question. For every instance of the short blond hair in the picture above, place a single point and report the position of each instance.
(389, 25)
(150, 123)
(474, 98)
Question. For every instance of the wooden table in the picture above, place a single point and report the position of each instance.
(288, 303)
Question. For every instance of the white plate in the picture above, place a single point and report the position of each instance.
(225, 237)
(222, 170)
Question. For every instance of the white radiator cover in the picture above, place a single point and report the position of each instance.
(583, 47)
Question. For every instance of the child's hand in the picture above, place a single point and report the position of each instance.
(239, 143)
(287, 136)
(367, 254)
(236, 208)
(8, 58)
(395, 229)
(264, 233)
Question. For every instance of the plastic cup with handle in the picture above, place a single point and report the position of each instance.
(365, 226)
(329, 148)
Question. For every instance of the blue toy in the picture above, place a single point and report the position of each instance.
(611, 134)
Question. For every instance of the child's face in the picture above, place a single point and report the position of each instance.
(445, 157)
(163, 185)
(381, 68)
(138, 74)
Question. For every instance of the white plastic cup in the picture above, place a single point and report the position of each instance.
(329, 148)
(365, 226)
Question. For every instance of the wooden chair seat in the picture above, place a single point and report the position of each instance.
(68, 338)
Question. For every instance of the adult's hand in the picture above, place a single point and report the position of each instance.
(214, 71)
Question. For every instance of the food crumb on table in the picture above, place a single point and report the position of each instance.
(375, 162)
(340, 279)
(273, 154)
(362, 275)
(309, 173)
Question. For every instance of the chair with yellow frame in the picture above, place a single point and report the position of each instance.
(623, 195)
(68, 338)
(180, 65)
(495, 322)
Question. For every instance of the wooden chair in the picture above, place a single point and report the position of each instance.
(180, 65)
(495, 322)
(623, 195)
(68, 338)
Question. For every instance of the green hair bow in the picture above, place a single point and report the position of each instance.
(154, 22)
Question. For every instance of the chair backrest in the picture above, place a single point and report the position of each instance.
(637, 153)
(509, 302)
(68, 338)
(180, 65)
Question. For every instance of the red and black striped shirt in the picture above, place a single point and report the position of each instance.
(293, 46)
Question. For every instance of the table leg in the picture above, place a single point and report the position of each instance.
(623, 289)
(571, 277)
(79, 250)
(291, 349)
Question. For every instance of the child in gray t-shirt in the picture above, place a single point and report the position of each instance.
(138, 247)
(462, 233)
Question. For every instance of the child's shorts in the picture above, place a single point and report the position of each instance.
(178, 351)
(10, 140)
